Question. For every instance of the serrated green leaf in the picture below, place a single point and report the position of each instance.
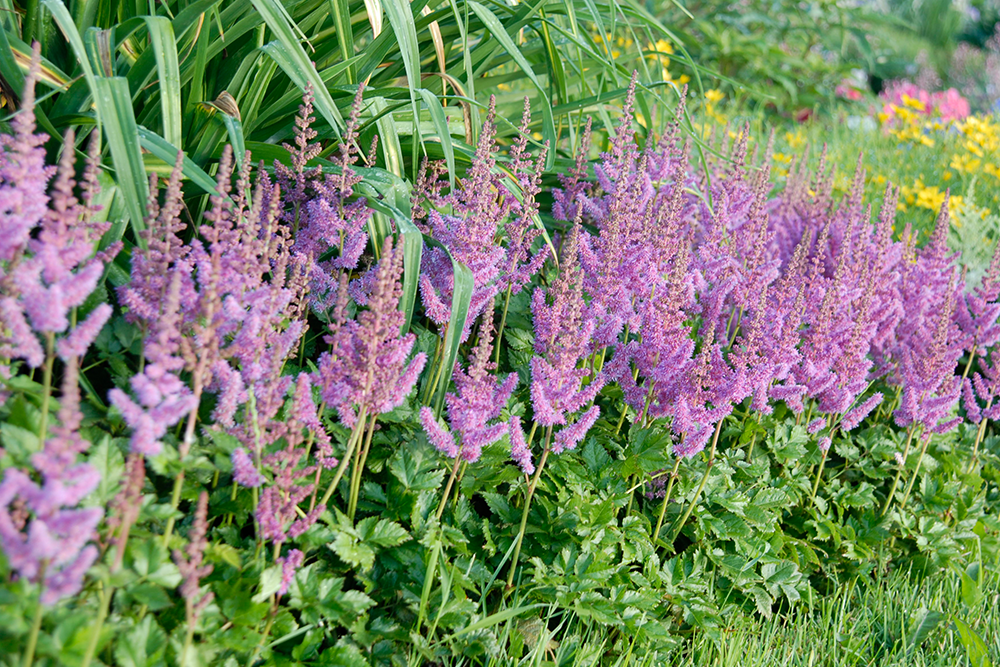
(352, 552)
(269, 584)
(385, 534)
(142, 646)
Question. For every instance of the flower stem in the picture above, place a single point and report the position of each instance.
(666, 499)
(968, 366)
(359, 427)
(895, 481)
(50, 357)
(975, 448)
(36, 624)
(819, 476)
(503, 323)
(107, 592)
(916, 471)
(352, 503)
(527, 507)
(701, 486)
(451, 480)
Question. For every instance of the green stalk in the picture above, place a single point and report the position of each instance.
(968, 366)
(352, 503)
(975, 448)
(503, 323)
(666, 499)
(175, 496)
(36, 624)
(50, 358)
(451, 480)
(175, 501)
(351, 444)
(916, 471)
(527, 507)
(621, 420)
(819, 476)
(701, 486)
(102, 613)
(895, 481)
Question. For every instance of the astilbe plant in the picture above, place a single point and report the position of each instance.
(561, 389)
(480, 209)
(328, 223)
(367, 370)
(478, 400)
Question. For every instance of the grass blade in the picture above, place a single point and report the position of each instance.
(161, 32)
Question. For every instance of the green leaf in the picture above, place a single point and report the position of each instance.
(291, 58)
(20, 442)
(441, 125)
(497, 30)
(65, 22)
(461, 297)
(972, 585)
(167, 152)
(114, 104)
(270, 583)
(383, 534)
(161, 33)
(142, 646)
(353, 552)
(107, 460)
(925, 624)
(975, 648)
(235, 129)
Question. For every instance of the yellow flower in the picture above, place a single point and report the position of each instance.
(714, 95)
(794, 139)
(913, 103)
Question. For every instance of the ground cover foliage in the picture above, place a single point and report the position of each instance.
(619, 399)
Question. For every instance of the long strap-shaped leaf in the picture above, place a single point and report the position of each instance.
(235, 129)
(291, 58)
(114, 104)
(498, 32)
(167, 152)
(161, 32)
(441, 125)
(461, 298)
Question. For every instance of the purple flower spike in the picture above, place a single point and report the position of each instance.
(245, 473)
(479, 399)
